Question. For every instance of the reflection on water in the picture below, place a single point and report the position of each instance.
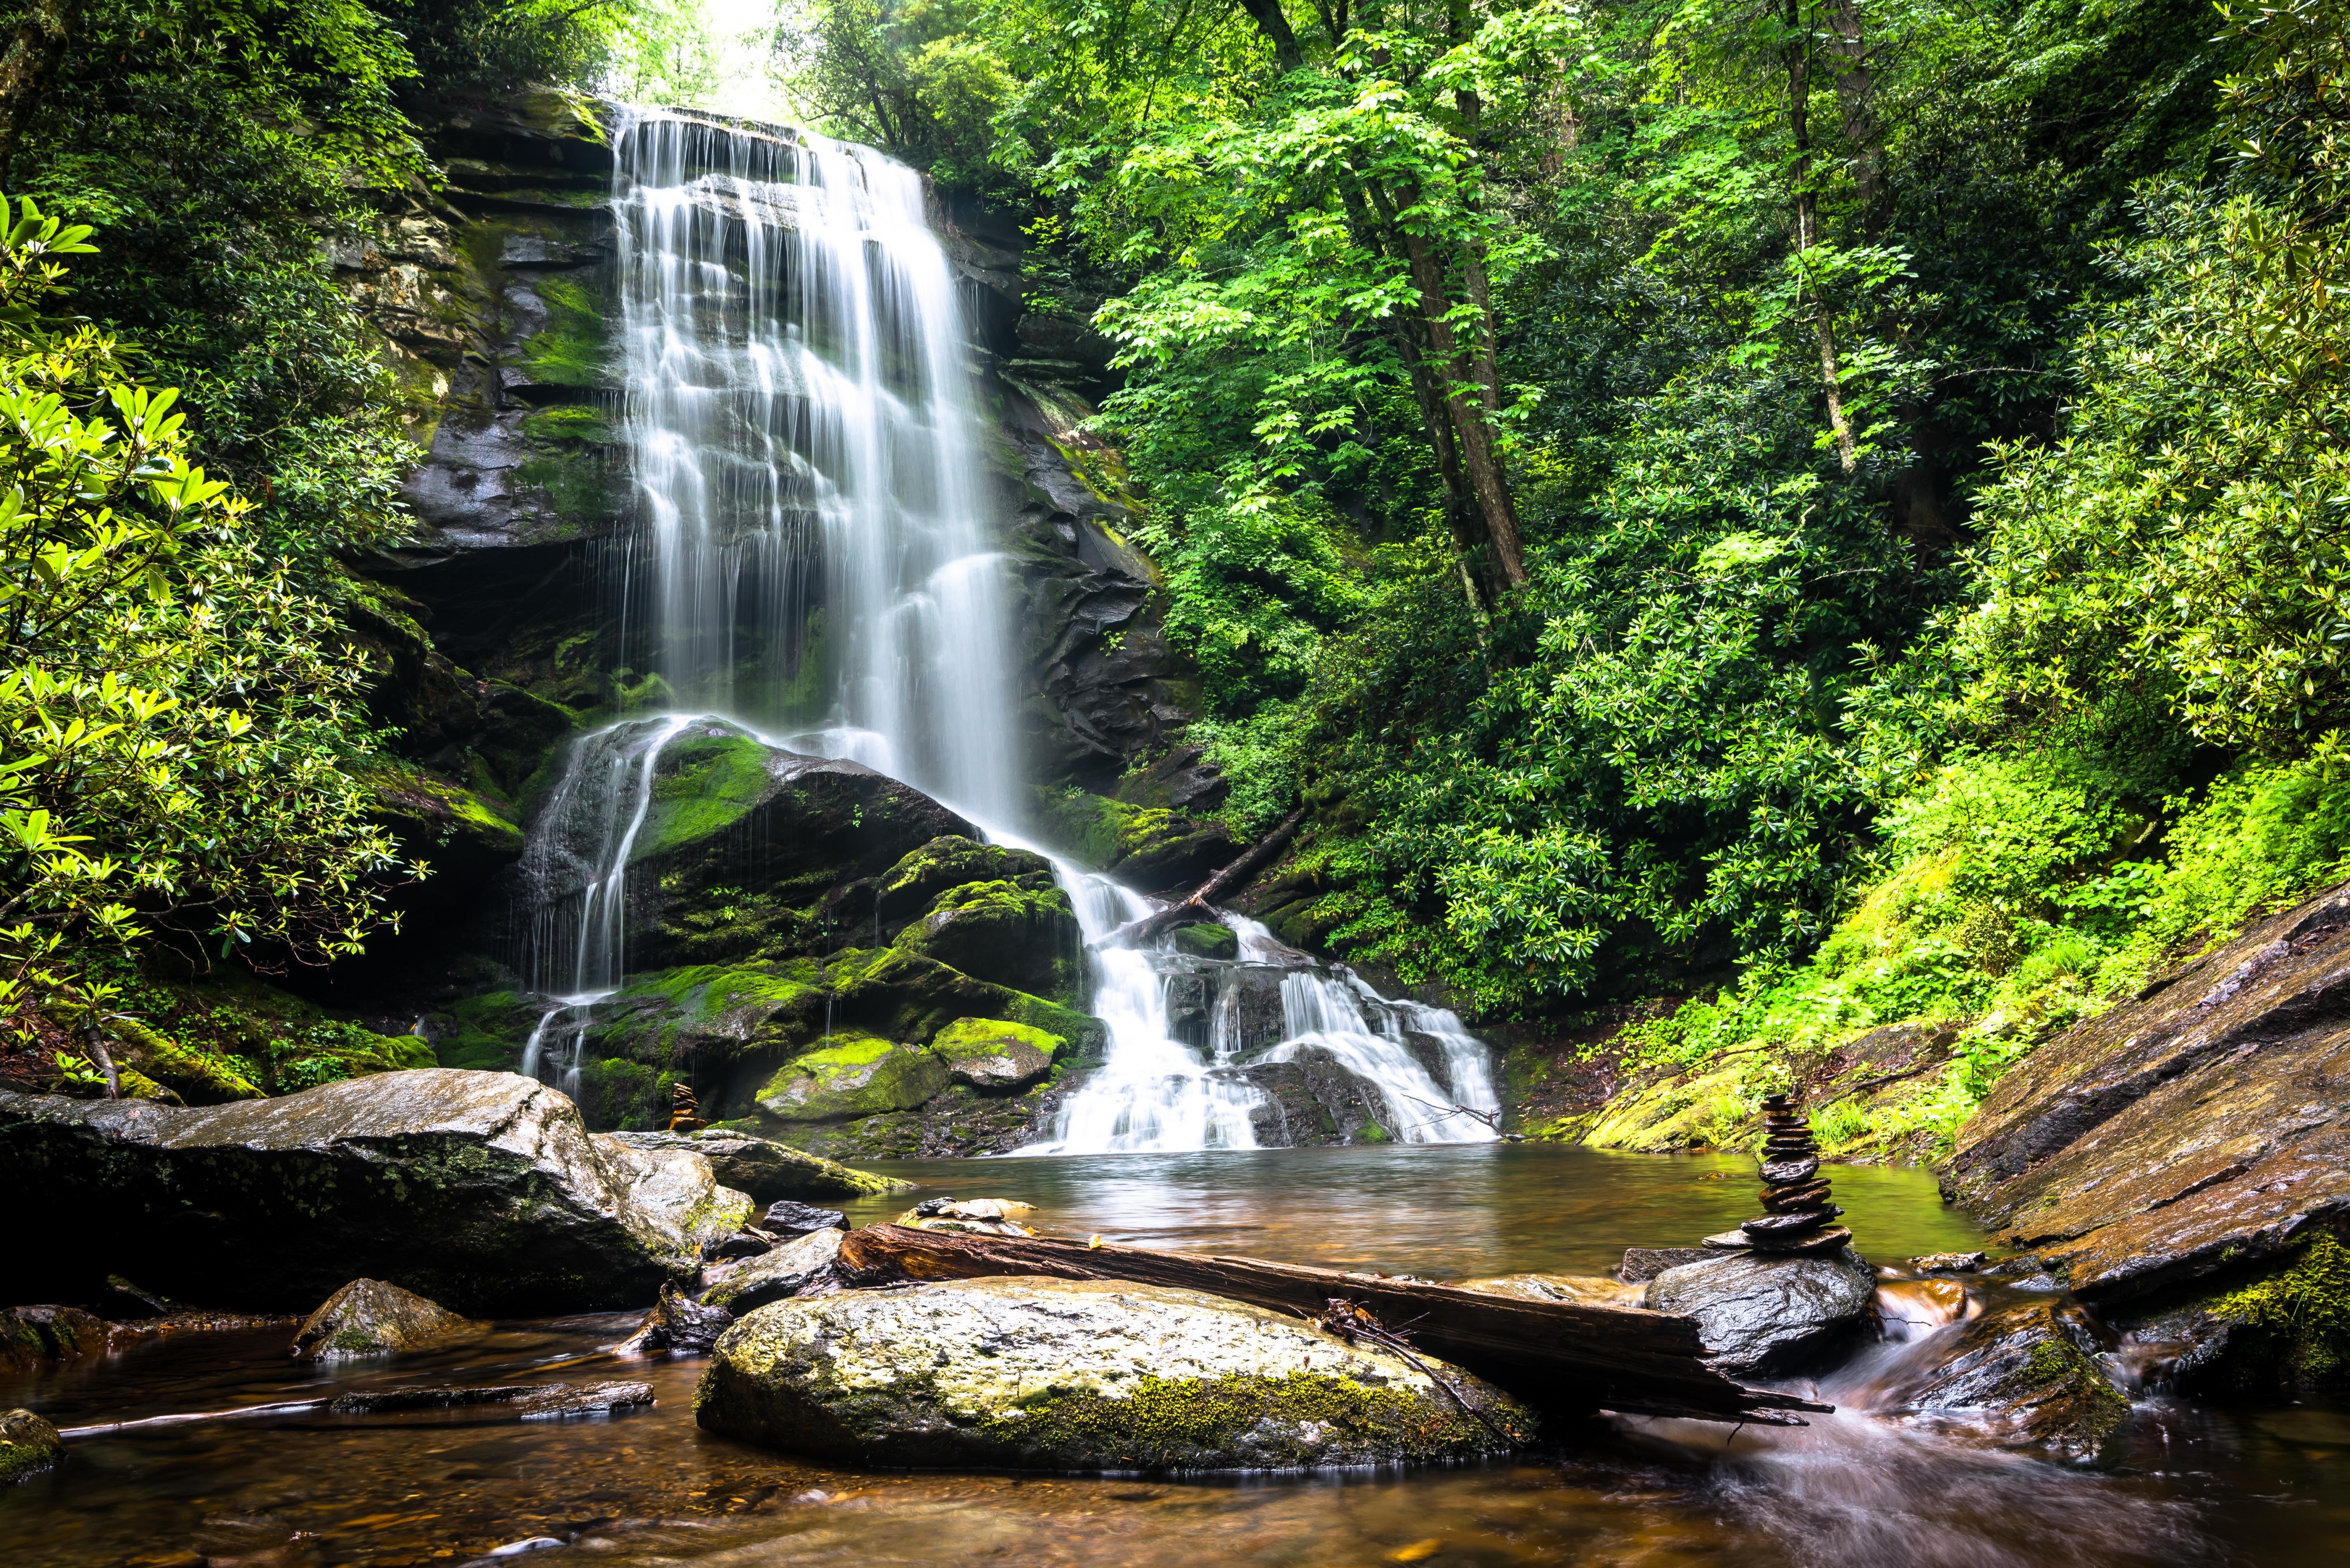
(446, 1488)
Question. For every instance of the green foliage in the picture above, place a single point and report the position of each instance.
(179, 721)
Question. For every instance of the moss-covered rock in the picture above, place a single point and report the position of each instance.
(1147, 848)
(854, 1076)
(1051, 1375)
(369, 1317)
(911, 887)
(2281, 1328)
(1018, 934)
(485, 1032)
(33, 1335)
(993, 1055)
(1207, 939)
(29, 1445)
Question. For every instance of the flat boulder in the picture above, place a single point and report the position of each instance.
(369, 1317)
(995, 1056)
(1760, 1314)
(482, 1191)
(773, 1275)
(767, 1169)
(2026, 1375)
(1082, 1376)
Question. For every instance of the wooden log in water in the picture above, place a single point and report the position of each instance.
(1199, 904)
(1557, 1355)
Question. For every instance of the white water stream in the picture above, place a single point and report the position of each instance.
(805, 436)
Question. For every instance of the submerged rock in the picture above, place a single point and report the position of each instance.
(1760, 1315)
(483, 1191)
(676, 1321)
(369, 1317)
(2028, 1376)
(29, 1445)
(767, 1169)
(518, 1401)
(1054, 1375)
(1589, 1289)
(786, 1271)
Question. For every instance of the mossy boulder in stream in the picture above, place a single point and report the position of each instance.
(853, 1075)
(2027, 1375)
(1055, 1375)
(990, 1053)
(29, 1445)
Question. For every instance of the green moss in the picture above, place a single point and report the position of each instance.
(573, 349)
(2294, 1327)
(1101, 831)
(616, 1094)
(970, 1038)
(1189, 1423)
(1371, 1132)
(854, 1076)
(703, 785)
(577, 424)
(1208, 940)
(485, 1032)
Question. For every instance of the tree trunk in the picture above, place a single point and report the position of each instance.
(1481, 456)
(1562, 1356)
(1807, 224)
(1214, 887)
(1857, 92)
(1270, 20)
(32, 57)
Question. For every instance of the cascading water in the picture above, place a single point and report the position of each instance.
(802, 424)
(801, 414)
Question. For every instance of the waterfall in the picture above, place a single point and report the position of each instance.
(801, 414)
(1155, 1093)
(804, 432)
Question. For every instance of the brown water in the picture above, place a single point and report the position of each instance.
(2201, 1486)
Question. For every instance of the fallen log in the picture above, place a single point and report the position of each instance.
(1556, 1355)
(1195, 905)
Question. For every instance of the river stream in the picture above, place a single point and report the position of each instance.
(2200, 1485)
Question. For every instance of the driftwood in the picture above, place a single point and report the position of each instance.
(1555, 1354)
(1195, 906)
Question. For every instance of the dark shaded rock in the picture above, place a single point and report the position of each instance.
(31, 1335)
(676, 1321)
(1642, 1264)
(369, 1317)
(2204, 1124)
(2027, 1373)
(1021, 935)
(480, 1189)
(1760, 1315)
(1051, 1375)
(784, 1270)
(767, 1169)
(912, 886)
(2277, 1330)
(788, 1219)
(29, 1445)
(515, 1401)
(1312, 1099)
(742, 1244)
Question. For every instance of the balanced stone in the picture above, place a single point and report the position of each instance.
(1817, 1243)
(1788, 1172)
(1787, 1200)
(1772, 1226)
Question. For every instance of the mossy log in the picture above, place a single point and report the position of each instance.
(1560, 1355)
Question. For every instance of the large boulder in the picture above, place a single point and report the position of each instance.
(767, 1171)
(31, 1335)
(2025, 1375)
(1054, 1375)
(990, 1053)
(369, 1317)
(1759, 1314)
(482, 1190)
(1021, 934)
(857, 1074)
(2198, 1128)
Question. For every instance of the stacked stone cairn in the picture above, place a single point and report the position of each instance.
(1794, 1222)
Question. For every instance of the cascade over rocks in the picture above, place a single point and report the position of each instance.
(2025, 1374)
(1053, 1375)
(481, 1189)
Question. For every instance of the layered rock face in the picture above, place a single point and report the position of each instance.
(1051, 1375)
(2193, 1134)
(483, 1191)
